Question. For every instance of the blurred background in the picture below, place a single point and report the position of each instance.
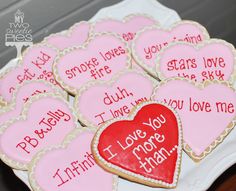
(50, 16)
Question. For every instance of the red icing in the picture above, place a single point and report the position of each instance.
(126, 159)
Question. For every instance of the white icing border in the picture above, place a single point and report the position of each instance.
(140, 62)
(68, 32)
(148, 181)
(23, 117)
(20, 61)
(198, 47)
(82, 118)
(125, 20)
(11, 106)
(221, 137)
(68, 139)
(73, 90)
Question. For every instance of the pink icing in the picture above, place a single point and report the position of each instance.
(126, 29)
(213, 61)
(101, 102)
(200, 128)
(105, 56)
(36, 64)
(149, 43)
(12, 140)
(93, 178)
(76, 36)
(23, 94)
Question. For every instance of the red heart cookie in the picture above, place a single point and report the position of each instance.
(144, 148)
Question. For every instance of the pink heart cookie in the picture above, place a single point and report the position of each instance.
(207, 112)
(99, 102)
(46, 120)
(76, 36)
(36, 63)
(127, 28)
(22, 94)
(73, 169)
(213, 59)
(150, 41)
(103, 56)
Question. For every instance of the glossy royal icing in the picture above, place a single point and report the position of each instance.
(145, 148)
(99, 102)
(207, 112)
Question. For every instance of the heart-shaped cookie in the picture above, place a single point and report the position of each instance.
(207, 112)
(103, 56)
(127, 28)
(22, 94)
(212, 59)
(36, 63)
(46, 119)
(101, 101)
(149, 41)
(70, 166)
(145, 147)
(74, 36)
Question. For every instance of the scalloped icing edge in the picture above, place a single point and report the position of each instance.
(188, 150)
(20, 62)
(24, 166)
(66, 142)
(12, 104)
(72, 90)
(150, 4)
(198, 47)
(125, 20)
(68, 32)
(130, 175)
(109, 84)
(65, 33)
(27, 50)
(149, 69)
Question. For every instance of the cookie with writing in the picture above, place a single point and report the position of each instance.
(76, 35)
(22, 94)
(145, 147)
(212, 59)
(36, 63)
(207, 112)
(45, 120)
(100, 58)
(126, 28)
(98, 102)
(74, 168)
(149, 42)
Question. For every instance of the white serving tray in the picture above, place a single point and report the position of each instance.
(193, 176)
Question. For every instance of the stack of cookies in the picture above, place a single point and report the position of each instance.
(117, 98)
